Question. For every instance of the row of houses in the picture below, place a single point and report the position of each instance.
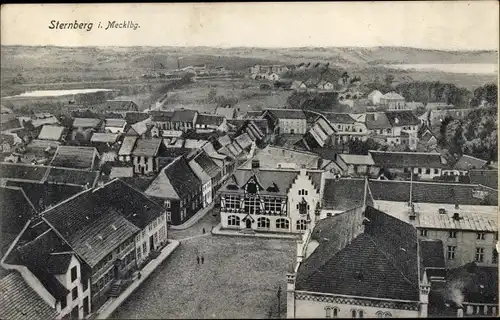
(70, 258)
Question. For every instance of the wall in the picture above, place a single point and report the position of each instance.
(143, 162)
(299, 126)
(65, 280)
(153, 229)
(302, 181)
(207, 193)
(466, 243)
(316, 309)
(434, 172)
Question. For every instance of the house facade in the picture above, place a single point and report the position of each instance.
(289, 121)
(393, 101)
(270, 200)
(145, 155)
(423, 165)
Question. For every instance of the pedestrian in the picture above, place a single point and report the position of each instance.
(198, 259)
(202, 259)
(203, 230)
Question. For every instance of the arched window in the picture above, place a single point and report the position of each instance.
(357, 313)
(301, 224)
(233, 221)
(331, 312)
(263, 222)
(282, 224)
(379, 314)
(353, 313)
(387, 315)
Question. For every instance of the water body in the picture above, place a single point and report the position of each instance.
(57, 93)
(469, 68)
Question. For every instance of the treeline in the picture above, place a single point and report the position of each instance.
(435, 92)
(475, 135)
(324, 101)
(488, 93)
(319, 73)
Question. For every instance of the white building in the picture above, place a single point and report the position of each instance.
(374, 97)
(270, 200)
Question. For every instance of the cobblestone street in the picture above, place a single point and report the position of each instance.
(239, 278)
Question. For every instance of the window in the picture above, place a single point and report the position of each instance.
(263, 222)
(282, 224)
(232, 202)
(73, 274)
(233, 221)
(387, 315)
(273, 205)
(419, 170)
(427, 171)
(301, 224)
(480, 236)
(328, 214)
(451, 252)
(74, 293)
(356, 313)
(303, 206)
(144, 247)
(423, 233)
(85, 285)
(353, 313)
(479, 254)
(332, 312)
(64, 303)
(436, 171)
(494, 257)
(252, 205)
(169, 216)
(452, 234)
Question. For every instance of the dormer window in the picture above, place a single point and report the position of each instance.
(252, 187)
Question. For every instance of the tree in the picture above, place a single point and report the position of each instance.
(389, 78)
(362, 147)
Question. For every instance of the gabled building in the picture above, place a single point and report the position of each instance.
(424, 165)
(121, 106)
(320, 134)
(52, 133)
(465, 164)
(270, 200)
(87, 123)
(183, 120)
(291, 121)
(115, 125)
(128, 145)
(179, 190)
(145, 155)
(462, 216)
(357, 264)
(227, 112)
(375, 97)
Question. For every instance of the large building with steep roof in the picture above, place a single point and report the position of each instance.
(362, 263)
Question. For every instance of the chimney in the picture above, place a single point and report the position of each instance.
(255, 164)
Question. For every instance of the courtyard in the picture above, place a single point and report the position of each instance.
(238, 279)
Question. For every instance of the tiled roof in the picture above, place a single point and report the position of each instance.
(16, 209)
(287, 113)
(469, 162)
(119, 172)
(182, 177)
(431, 253)
(86, 123)
(339, 117)
(72, 176)
(228, 113)
(387, 159)
(379, 262)
(121, 105)
(470, 219)
(194, 144)
(431, 192)
(18, 301)
(115, 123)
(224, 140)
(209, 119)
(377, 120)
(104, 137)
(402, 118)
(283, 179)
(243, 140)
(95, 222)
(74, 157)
(133, 117)
(42, 144)
(199, 172)
(161, 187)
(142, 127)
(343, 194)
(488, 178)
(357, 159)
(127, 147)
(184, 116)
(271, 156)
(51, 132)
(161, 115)
(138, 208)
(147, 147)
(208, 165)
(22, 171)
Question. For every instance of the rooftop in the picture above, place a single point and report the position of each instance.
(343, 194)
(388, 159)
(226, 112)
(19, 302)
(467, 162)
(488, 178)
(115, 123)
(121, 105)
(339, 118)
(184, 115)
(49, 132)
(146, 147)
(128, 145)
(86, 122)
(272, 157)
(402, 118)
(287, 113)
(377, 120)
(393, 96)
(75, 157)
(121, 172)
(357, 159)
(105, 137)
(374, 257)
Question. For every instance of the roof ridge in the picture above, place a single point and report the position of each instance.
(389, 260)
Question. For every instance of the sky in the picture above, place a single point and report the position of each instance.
(447, 25)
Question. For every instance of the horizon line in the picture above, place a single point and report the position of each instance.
(256, 47)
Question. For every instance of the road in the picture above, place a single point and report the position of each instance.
(238, 279)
